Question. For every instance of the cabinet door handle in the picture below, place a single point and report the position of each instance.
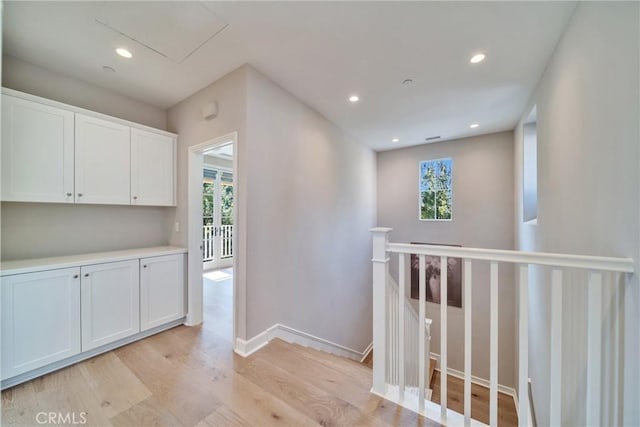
(86, 274)
(79, 194)
(75, 277)
(69, 194)
(145, 266)
(135, 197)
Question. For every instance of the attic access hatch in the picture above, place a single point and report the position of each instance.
(173, 29)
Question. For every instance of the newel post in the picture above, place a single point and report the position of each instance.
(380, 269)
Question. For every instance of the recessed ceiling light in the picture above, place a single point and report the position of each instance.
(354, 98)
(395, 140)
(473, 126)
(478, 57)
(124, 52)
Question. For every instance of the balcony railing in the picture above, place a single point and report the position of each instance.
(209, 235)
(226, 241)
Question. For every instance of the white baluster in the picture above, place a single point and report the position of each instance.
(493, 351)
(443, 337)
(594, 348)
(467, 342)
(422, 294)
(523, 348)
(401, 320)
(394, 337)
(380, 271)
(555, 370)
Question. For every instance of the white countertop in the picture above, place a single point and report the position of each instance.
(8, 268)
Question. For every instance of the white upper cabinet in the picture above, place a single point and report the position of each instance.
(103, 161)
(53, 152)
(37, 152)
(152, 168)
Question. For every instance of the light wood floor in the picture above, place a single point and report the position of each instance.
(191, 377)
(507, 415)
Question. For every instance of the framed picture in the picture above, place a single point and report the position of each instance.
(433, 273)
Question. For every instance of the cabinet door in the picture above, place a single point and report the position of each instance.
(161, 290)
(37, 152)
(102, 166)
(40, 319)
(110, 302)
(152, 168)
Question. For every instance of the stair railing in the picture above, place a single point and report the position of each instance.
(407, 314)
(391, 376)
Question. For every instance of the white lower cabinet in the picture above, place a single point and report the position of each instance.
(110, 302)
(54, 317)
(161, 290)
(40, 319)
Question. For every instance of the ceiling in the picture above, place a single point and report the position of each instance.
(322, 52)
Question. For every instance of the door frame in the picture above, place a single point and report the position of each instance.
(195, 299)
(218, 262)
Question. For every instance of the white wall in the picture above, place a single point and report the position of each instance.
(44, 229)
(26, 77)
(482, 217)
(34, 230)
(311, 203)
(588, 202)
(185, 118)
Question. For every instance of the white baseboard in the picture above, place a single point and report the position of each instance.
(294, 336)
(247, 348)
(366, 352)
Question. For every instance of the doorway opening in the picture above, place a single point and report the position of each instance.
(217, 208)
(213, 219)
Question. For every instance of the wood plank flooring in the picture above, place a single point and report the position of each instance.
(189, 376)
(507, 415)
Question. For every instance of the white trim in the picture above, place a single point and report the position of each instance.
(622, 265)
(516, 401)
(366, 352)
(431, 410)
(248, 347)
(295, 336)
(194, 233)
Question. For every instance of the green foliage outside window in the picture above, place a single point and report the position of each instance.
(208, 207)
(436, 189)
(227, 204)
